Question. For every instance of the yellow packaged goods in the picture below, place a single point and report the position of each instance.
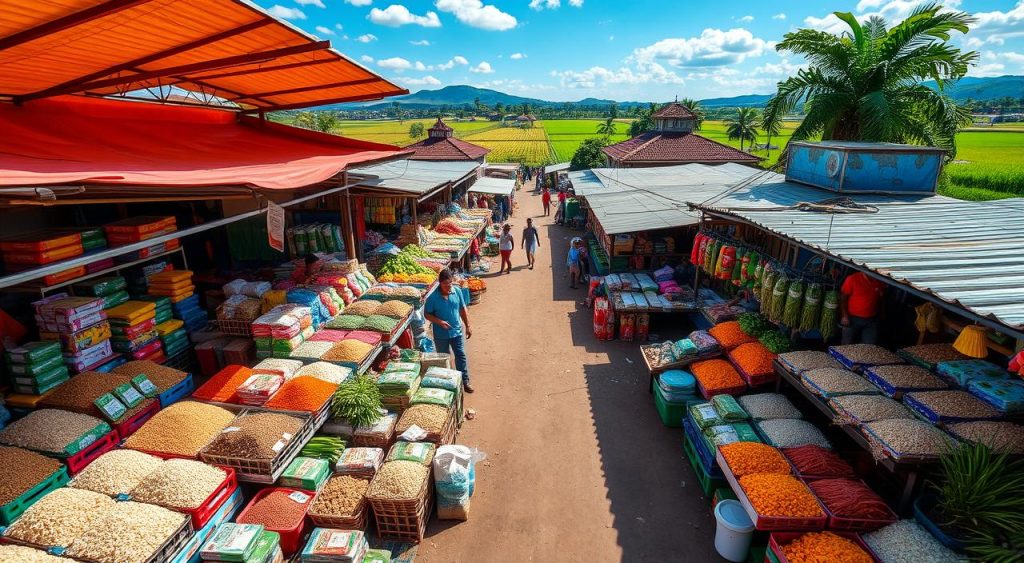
(156, 288)
(347, 351)
(171, 277)
(133, 311)
(167, 327)
(60, 517)
(181, 429)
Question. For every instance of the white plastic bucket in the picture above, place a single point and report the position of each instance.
(734, 530)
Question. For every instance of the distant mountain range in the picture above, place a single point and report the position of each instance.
(977, 88)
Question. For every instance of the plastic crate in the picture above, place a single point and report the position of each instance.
(724, 391)
(206, 511)
(707, 483)
(772, 523)
(16, 507)
(671, 414)
(128, 427)
(706, 458)
(89, 454)
(176, 393)
(291, 538)
(227, 512)
(266, 471)
(778, 539)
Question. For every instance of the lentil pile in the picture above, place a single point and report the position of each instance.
(180, 483)
(829, 382)
(20, 470)
(127, 532)
(258, 436)
(1000, 436)
(326, 371)
(904, 377)
(398, 480)
(933, 353)
(715, 375)
(78, 393)
(864, 355)
(49, 430)
(730, 335)
(907, 542)
(363, 308)
(302, 393)
(59, 517)
(766, 406)
(780, 495)
(802, 361)
(116, 472)
(910, 437)
(787, 433)
(753, 359)
(341, 497)
(815, 547)
(817, 461)
(347, 351)
(430, 418)
(162, 377)
(745, 458)
(954, 404)
(280, 509)
(850, 498)
(223, 386)
(181, 429)
(394, 309)
(868, 408)
(22, 554)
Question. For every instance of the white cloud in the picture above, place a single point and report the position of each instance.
(339, 27)
(279, 11)
(746, 19)
(714, 47)
(483, 67)
(892, 10)
(359, 2)
(366, 38)
(456, 60)
(995, 63)
(998, 26)
(324, 30)
(1013, 57)
(317, 3)
(598, 76)
(420, 66)
(576, 3)
(397, 64)
(517, 56)
(425, 81)
(397, 15)
(459, 59)
(541, 4)
(475, 13)
(420, 43)
(779, 16)
(366, 59)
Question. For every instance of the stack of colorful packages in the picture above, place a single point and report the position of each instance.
(311, 300)
(173, 337)
(37, 249)
(134, 328)
(332, 302)
(177, 286)
(36, 367)
(281, 330)
(93, 241)
(137, 229)
(80, 324)
(163, 311)
(138, 277)
(111, 289)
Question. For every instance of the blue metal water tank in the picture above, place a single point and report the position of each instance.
(854, 167)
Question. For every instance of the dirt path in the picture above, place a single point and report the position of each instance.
(579, 466)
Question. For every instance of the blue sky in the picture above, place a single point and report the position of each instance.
(617, 49)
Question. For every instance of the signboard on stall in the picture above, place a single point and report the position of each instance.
(275, 226)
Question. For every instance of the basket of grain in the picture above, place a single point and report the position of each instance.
(341, 504)
(400, 495)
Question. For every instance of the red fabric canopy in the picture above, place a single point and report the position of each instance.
(79, 140)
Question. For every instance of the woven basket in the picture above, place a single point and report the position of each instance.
(356, 521)
(404, 520)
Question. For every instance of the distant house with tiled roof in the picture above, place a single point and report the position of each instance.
(440, 145)
(672, 141)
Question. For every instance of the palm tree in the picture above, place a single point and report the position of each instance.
(644, 122)
(743, 126)
(607, 129)
(694, 106)
(865, 84)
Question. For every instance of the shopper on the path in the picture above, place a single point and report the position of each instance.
(560, 214)
(447, 312)
(572, 262)
(531, 241)
(545, 198)
(506, 244)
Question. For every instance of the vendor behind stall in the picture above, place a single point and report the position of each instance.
(859, 304)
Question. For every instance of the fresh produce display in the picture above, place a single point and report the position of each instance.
(768, 280)
(716, 375)
(829, 314)
(851, 498)
(764, 406)
(778, 303)
(357, 401)
(324, 447)
(1000, 436)
(772, 494)
(775, 342)
(730, 335)
(745, 458)
(787, 433)
(817, 547)
(816, 461)
(755, 324)
(753, 359)
(21, 470)
(116, 472)
(404, 264)
(810, 315)
(181, 429)
(398, 480)
(793, 305)
(907, 542)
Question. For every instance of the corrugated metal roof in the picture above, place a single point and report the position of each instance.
(492, 185)
(964, 253)
(556, 167)
(414, 177)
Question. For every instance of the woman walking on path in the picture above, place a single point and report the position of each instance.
(531, 241)
(505, 245)
(572, 262)
(545, 198)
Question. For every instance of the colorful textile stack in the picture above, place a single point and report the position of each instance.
(173, 337)
(36, 367)
(80, 324)
(37, 249)
(133, 324)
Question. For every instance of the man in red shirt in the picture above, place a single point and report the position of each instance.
(859, 303)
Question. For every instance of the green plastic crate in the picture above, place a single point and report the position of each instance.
(707, 483)
(671, 413)
(757, 553)
(10, 511)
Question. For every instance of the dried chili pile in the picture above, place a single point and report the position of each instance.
(782, 496)
(303, 393)
(814, 547)
(745, 458)
(716, 374)
(815, 460)
(730, 335)
(753, 358)
(850, 498)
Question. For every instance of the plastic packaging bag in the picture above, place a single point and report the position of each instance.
(705, 415)
(728, 408)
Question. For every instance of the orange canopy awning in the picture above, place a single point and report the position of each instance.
(75, 140)
(229, 49)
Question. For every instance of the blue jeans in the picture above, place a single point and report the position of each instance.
(458, 347)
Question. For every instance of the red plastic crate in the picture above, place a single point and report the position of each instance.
(291, 539)
(837, 523)
(128, 427)
(778, 539)
(771, 523)
(89, 454)
(202, 515)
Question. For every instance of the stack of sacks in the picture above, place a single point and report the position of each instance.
(173, 337)
(310, 299)
(281, 330)
(134, 328)
(137, 229)
(70, 320)
(37, 249)
(189, 311)
(36, 367)
(332, 302)
(164, 312)
(138, 278)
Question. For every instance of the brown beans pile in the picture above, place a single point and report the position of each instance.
(394, 309)
(363, 308)
(278, 510)
(868, 408)
(803, 360)
(1000, 436)
(911, 437)
(347, 351)
(128, 532)
(22, 554)
(20, 470)
(832, 381)
(78, 393)
(162, 376)
(59, 517)
(181, 429)
(116, 472)
(909, 377)
(48, 430)
(255, 436)
(954, 404)
(398, 480)
(430, 418)
(867, 354)
(180, 483)
(934, 353)
(341, 497)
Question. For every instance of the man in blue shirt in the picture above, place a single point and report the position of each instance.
(446, 310)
